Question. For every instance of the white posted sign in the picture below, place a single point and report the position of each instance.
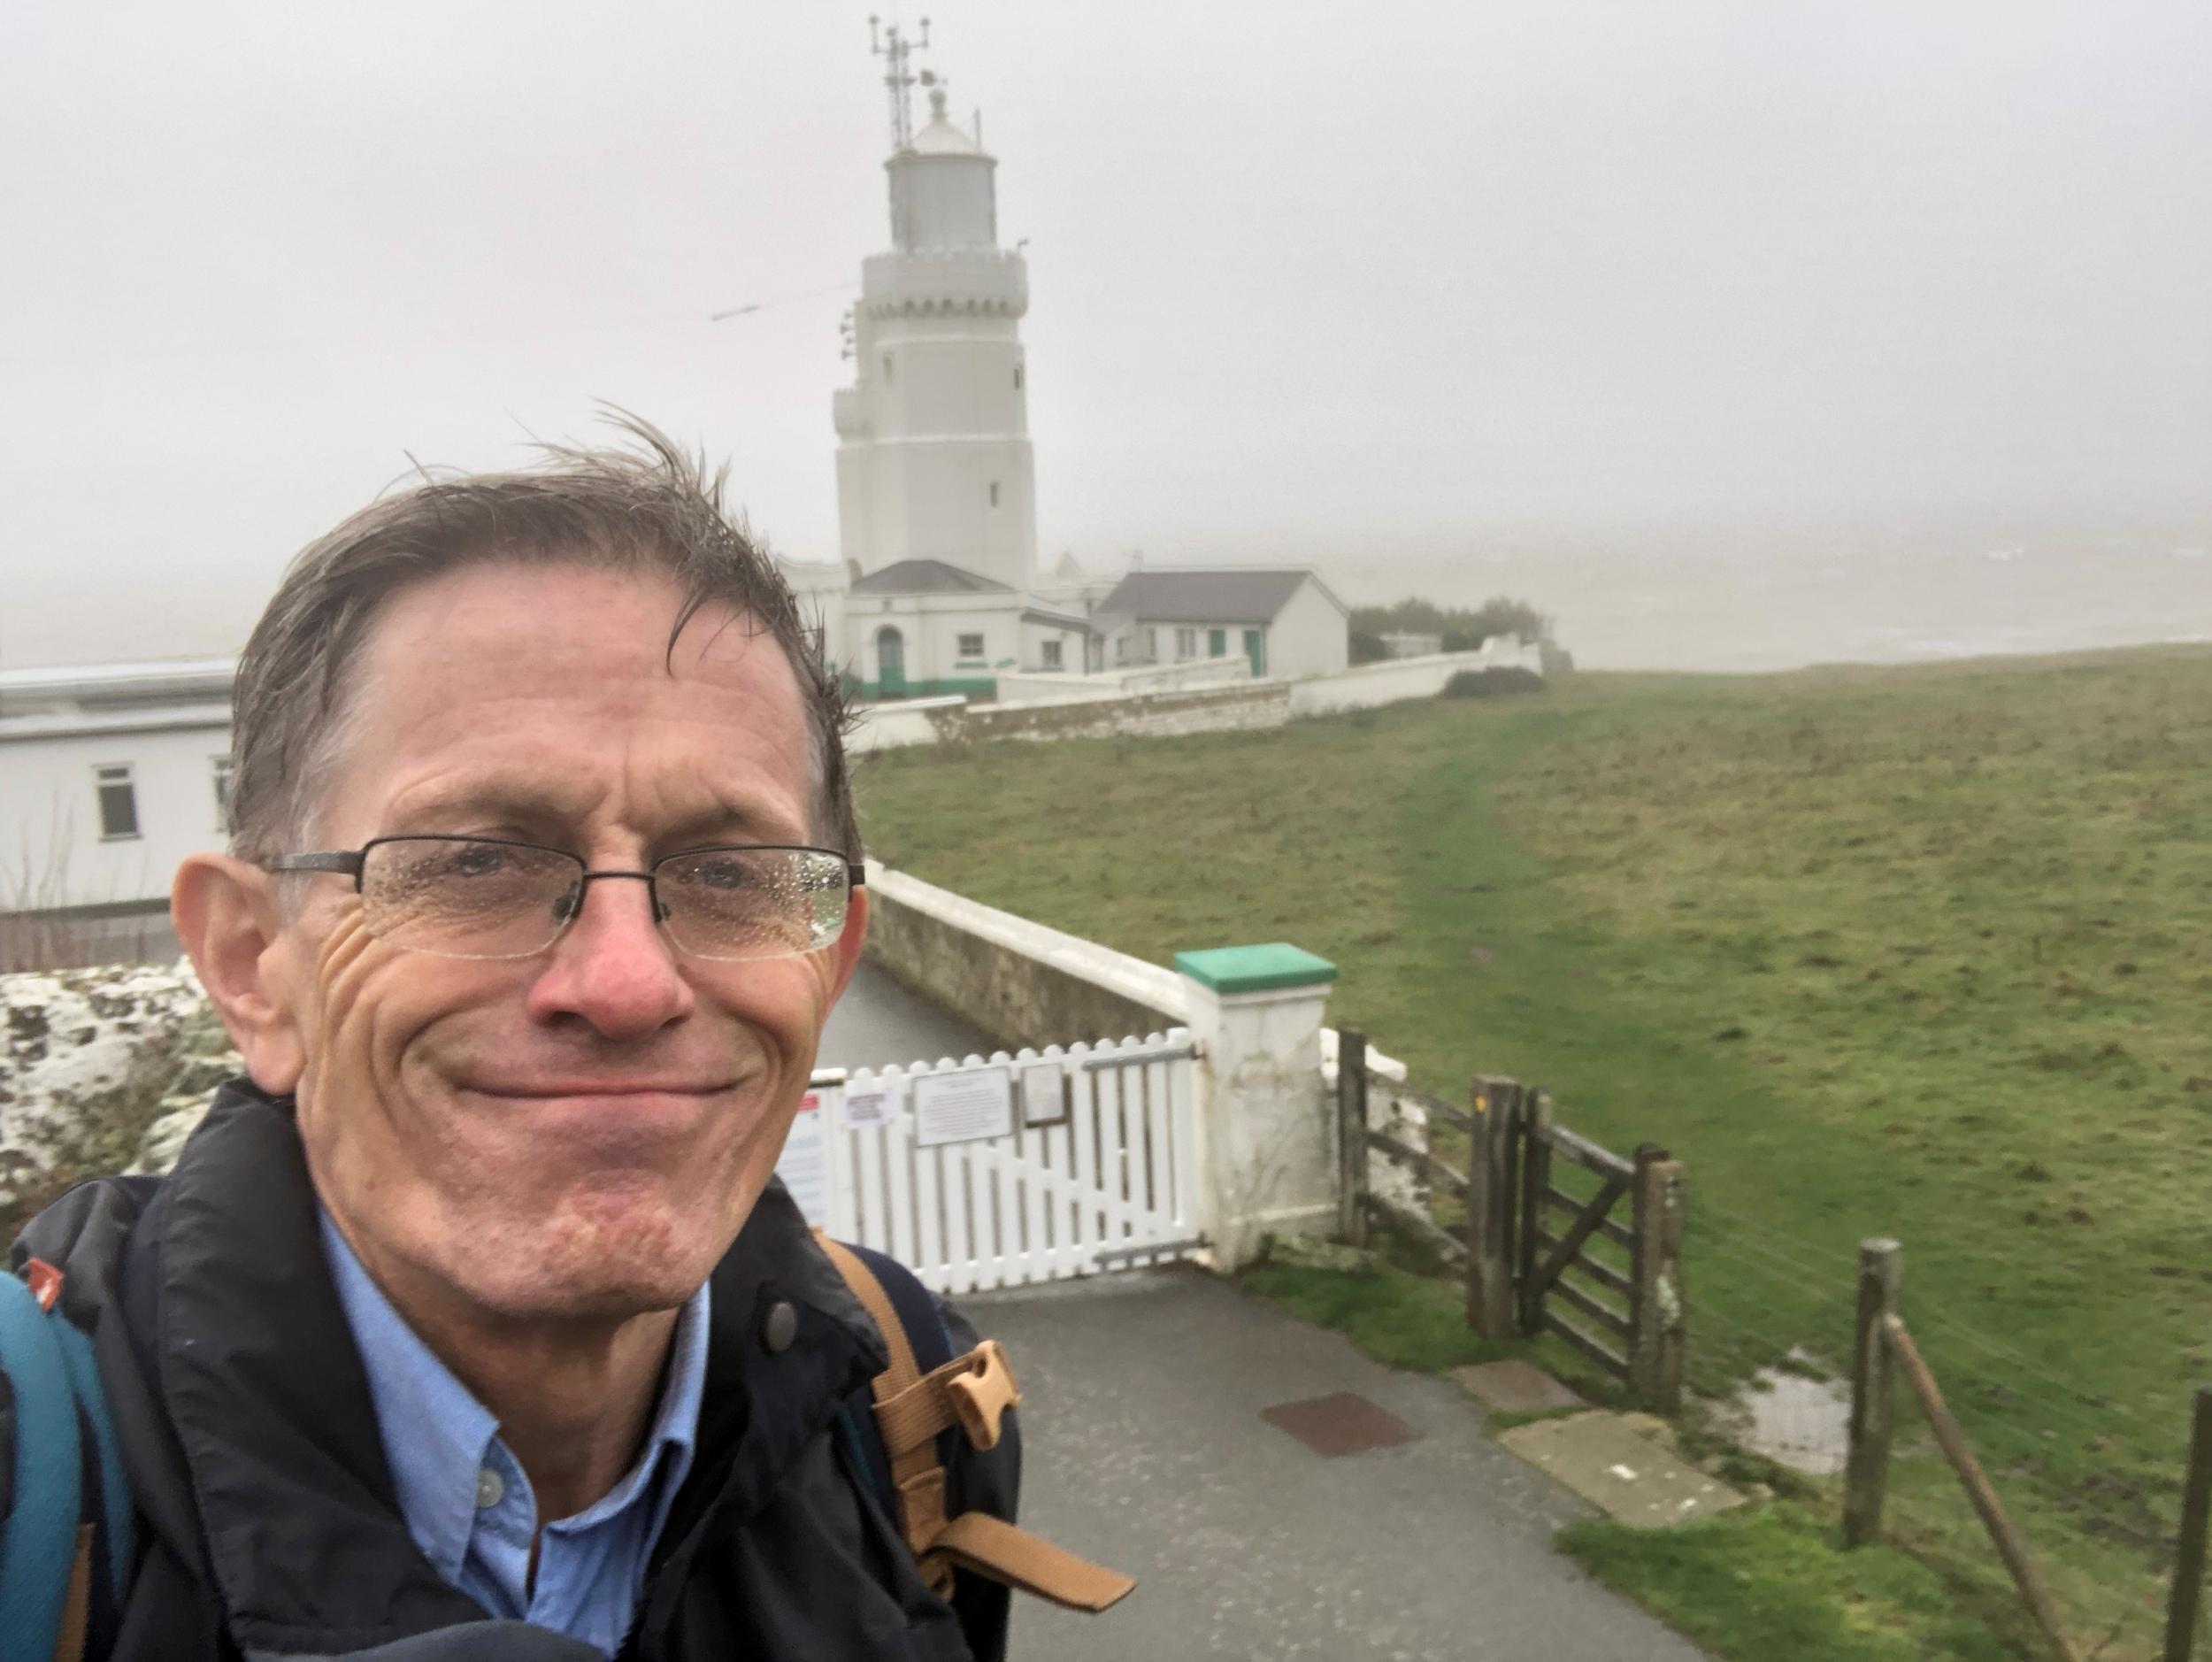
(965, 1106)
(1044, 1099)
(804, 1164)
(873, 1103)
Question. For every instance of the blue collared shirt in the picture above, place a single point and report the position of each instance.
(464, 1495)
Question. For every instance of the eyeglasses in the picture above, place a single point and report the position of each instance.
(489, 897)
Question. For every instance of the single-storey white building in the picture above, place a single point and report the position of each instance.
(920, 628)
(113, 774)
(1284, 619)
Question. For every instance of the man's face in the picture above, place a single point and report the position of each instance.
(583, 1132)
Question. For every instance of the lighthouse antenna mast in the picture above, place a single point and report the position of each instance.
(885, 41)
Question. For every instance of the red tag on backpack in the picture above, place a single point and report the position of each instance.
(44, 1281)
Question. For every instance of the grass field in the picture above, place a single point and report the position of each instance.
(1920, 952)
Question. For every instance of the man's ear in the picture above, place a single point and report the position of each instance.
(850, 944)
(226, 915)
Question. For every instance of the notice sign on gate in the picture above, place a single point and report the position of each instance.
(965, 1106)
(803, 1164)
(869, 1105)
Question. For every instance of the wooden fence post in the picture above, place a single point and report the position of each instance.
(2011, 1546)
(1866, 1469)
(1535, 1179)
(1351, 1122)
(1655, 1310)
(2196, 1514)
(1489, 1229)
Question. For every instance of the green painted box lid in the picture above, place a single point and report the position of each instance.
(1251, 969)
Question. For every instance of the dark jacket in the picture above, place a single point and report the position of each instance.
(267, 1524)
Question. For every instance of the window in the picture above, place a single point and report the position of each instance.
(119, 800)
(1018, 378)
(222, 791)
(1152, 646)
(888, 376)
(1186, 644)
(994, 493)
(971, 646)
(1052, 654)
(1217, 643)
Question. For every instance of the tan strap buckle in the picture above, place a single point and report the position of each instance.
(982, 1393)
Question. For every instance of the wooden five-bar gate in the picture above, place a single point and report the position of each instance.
(1545, 1246)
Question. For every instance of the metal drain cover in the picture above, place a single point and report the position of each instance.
(1344, 1423)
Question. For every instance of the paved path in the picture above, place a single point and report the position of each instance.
(878, 1023)
(1145, 1449)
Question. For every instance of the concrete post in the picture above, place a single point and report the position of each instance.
(1267, 1133)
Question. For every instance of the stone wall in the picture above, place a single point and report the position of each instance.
(101, 1070)
(1020, 981)
(1043, 687)
(1207, 710)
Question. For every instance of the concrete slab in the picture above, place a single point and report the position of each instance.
(1144, 1448)
(1515, 1388)
(1602, 1458)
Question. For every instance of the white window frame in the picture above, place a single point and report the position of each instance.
(105, 777)
(1052, 654)
(961, 649)
(1186, 645)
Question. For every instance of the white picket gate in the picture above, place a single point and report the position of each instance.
(1034, 1167)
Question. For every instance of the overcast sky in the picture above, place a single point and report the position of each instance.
(1304, 278)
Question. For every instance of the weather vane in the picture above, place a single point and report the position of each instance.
(887, 42)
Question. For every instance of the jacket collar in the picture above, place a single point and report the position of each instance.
(272, 1407)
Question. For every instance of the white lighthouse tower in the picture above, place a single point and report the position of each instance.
(934, 460)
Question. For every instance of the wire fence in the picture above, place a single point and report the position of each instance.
(2089, 1472)
(2092, 1482)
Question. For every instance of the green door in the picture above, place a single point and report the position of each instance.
(1217, 642)
(890, 663)
(1256, 649)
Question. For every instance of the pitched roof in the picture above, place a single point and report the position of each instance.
(926, 577)
(1248, 595)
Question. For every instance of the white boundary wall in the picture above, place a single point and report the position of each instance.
(1397, 680)
(1136, 706)
(1026, 982)
(1043, 687)
(890, 726)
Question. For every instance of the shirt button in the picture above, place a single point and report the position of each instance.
(779, 1327)
(489, 1490)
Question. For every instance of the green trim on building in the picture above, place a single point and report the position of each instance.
(968, 686)
(1251, 969)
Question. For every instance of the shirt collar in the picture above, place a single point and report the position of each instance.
(436, 1435)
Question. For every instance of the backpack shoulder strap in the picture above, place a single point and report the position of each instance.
(972, 1392)
(113, 1511)
(42, 1539)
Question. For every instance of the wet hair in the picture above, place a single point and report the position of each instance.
(643, 507)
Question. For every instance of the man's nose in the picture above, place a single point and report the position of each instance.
(612, 966)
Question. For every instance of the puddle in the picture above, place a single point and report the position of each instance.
(1803, 1423)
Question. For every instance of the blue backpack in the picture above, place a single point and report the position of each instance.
(65, 1505)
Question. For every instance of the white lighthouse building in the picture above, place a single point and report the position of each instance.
(934, 460)
(936, 482)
